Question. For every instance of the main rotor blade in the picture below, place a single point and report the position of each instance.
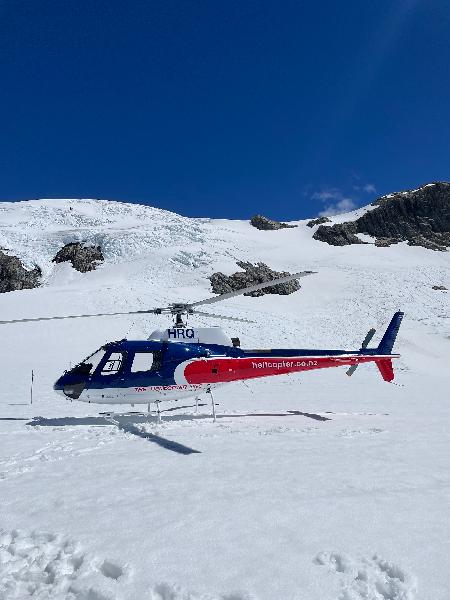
(204, 314)
(132, 312)
(252, 288)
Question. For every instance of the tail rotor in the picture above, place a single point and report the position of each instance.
(364, 345)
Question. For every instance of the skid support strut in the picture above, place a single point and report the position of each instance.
(209, 391)
(158, 411)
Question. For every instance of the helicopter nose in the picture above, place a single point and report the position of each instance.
(58, 387)
(70, 386)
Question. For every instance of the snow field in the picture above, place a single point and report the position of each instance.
(319, 487)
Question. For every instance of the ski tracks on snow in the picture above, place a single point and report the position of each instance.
(369, 579)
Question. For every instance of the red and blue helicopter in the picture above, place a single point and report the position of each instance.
(182, 361)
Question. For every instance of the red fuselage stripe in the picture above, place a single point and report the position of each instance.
(222, 370)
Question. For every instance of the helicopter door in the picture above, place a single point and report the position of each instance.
(110, 369)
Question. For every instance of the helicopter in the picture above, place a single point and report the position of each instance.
(182, 361)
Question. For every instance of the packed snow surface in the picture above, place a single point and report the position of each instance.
(312, 487)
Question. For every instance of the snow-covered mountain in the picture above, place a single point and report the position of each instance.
(337, 499)
(420, 217)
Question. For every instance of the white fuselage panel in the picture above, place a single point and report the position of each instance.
(192, 335)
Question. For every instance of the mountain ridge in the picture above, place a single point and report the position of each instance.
(34, 234)
(420, 217)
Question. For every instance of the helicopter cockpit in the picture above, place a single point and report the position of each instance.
(109, 365)
(74, 381)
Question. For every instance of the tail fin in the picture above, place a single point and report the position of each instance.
(385, 367)
(386, 345)
(388, 340)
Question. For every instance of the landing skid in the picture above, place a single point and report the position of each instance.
(149, 413)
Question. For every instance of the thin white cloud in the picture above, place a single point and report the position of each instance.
(341, 206)
(326, 195)
(334, 200)
(369, 188)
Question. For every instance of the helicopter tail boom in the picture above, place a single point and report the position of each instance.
(262, 363)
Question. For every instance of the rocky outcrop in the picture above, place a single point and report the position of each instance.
(319, 221)
(14, 276)
(420, 217)
(338, 235)
(265, 224)
(252, 274)
(83, 258)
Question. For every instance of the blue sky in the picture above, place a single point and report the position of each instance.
(223, 109)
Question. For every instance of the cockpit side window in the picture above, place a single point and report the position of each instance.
(113, 364)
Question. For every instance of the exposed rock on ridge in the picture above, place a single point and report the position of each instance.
(83, 258)
(265, 224)
(421, 217)
(319, 221)
(253, 274)
(14, 276)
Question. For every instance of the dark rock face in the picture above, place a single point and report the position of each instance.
(14, 276)
(83, 258)
(338, 235)
(265, 224)
(319, 221)
(439, 287)
(421, 217)
(253, 274)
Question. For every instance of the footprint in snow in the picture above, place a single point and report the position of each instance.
(368, 579)
(47, 566)
(52, 567)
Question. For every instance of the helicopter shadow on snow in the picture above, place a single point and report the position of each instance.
(126, 423)
(129, 422)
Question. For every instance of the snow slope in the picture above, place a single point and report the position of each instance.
(314, 487)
